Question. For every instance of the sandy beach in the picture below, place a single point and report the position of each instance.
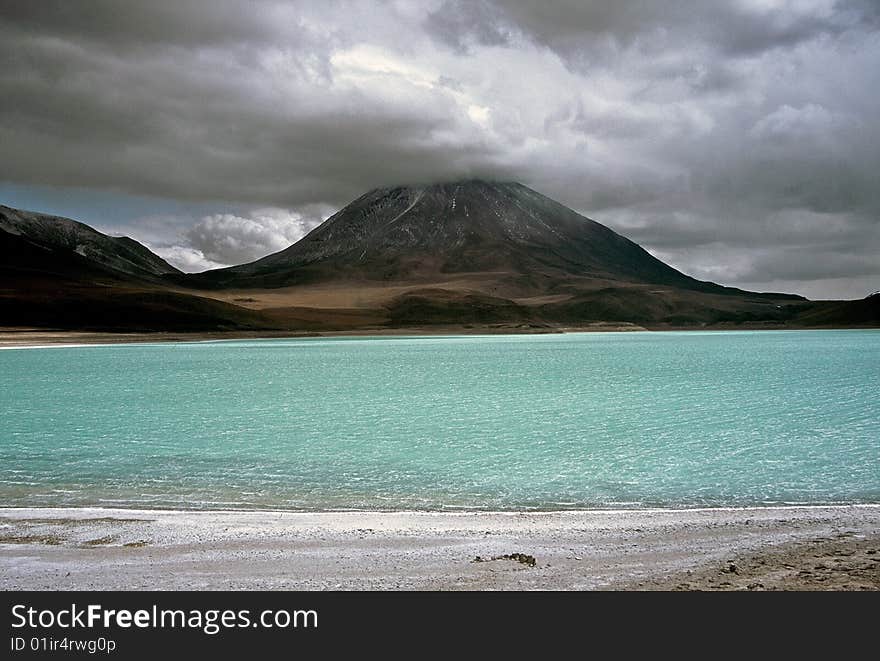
(801, 548)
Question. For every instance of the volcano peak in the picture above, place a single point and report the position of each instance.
(426, 232)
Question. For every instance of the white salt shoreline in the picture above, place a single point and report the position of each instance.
(103, 548)
(75, 339)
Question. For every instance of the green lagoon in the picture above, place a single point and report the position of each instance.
(505, 422)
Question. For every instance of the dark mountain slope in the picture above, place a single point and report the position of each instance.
(61, 241)
(58, 273)
(861, 312)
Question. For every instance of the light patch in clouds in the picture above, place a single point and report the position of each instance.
(365, 65)
(222, 239)
(229, 239)
(187, 259)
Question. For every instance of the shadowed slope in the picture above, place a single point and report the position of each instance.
(62, 241)
(59, 273)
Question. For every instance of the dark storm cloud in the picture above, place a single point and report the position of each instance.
(460, 23)
(128, 24)
(574, 26)
(192, 116)
(736, 139)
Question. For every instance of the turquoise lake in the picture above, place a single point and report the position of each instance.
(571, 421)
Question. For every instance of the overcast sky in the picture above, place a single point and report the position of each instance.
(737, 140)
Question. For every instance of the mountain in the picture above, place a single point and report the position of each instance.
(471, 254)
(429, 233)
(60, 273)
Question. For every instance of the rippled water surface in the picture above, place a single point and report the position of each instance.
(487, 422)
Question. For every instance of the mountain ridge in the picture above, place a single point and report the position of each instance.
(465, 255)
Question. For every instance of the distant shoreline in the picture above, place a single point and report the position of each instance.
(795, 547)
(36, 339)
